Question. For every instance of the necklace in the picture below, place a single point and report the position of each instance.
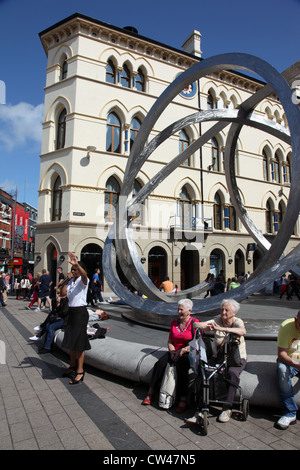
(183, 326)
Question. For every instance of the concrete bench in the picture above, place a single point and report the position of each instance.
(135, 361)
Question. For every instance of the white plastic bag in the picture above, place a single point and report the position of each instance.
(167, 391)
(197, 351)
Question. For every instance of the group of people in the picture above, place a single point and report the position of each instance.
(182, 332)
(288, 286)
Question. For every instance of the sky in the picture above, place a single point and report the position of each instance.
(268, 29)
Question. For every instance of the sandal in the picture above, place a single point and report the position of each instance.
(148, 399)
(73, 381)
(181, 406)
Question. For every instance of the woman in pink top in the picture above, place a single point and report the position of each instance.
(181, 333)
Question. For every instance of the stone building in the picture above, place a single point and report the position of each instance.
(101, 81)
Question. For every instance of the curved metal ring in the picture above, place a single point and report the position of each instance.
(125, 247)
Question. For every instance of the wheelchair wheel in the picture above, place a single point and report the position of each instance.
(203, 421)
(245, 409)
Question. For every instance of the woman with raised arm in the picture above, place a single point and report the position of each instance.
(75, 337)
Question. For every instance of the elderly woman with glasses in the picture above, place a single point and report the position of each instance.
(75, 337)
(181, 333)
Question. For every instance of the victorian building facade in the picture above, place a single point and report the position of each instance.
(101, 81)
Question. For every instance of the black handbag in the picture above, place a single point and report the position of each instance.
(229, 349)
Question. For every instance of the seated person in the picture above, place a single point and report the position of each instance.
(288, 365)
(227, 322)
(181, 332)
(54, 321)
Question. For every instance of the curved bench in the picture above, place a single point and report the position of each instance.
(135, 361)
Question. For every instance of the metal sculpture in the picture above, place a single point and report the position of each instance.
(120, 241)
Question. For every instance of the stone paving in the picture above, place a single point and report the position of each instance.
(40, 410)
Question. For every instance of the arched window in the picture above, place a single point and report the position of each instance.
(185, 208)
(111, 199)
(134, 128)
(218, 212)
(280, 214)
(113, 133)
(64, 70)
(184, 142)
(269, 218)
(56, 200)
(61, 130)
(265, 166)
(215, 155)
(140, 81)
(110, 72)
(287, 170)
(211, 102)
(125, 77)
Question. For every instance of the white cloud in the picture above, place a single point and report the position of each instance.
(20, 124)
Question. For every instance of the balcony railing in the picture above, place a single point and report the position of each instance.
(199, 224)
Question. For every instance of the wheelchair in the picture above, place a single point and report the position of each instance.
(211, 382)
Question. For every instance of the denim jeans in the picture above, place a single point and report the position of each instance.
(50, 332)
(284, 377)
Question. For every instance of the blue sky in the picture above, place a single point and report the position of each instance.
(266, 28)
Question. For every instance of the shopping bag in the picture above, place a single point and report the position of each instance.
(197, 351)
(167, 391)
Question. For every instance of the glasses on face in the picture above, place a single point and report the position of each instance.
(74, 270)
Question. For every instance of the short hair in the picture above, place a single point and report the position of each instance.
(235, 306)
(187, 303)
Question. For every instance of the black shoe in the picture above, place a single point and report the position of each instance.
(73, 381)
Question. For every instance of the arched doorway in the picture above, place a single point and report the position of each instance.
(91, 256)
(257, 257)
(157, 265)
(217, 263)
(52, 264)
(189, 262)
(239, 263)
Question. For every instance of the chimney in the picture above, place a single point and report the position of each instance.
(192, 44)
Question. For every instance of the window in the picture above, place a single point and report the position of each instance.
(273, 218)
(286, 168)
(136, 211)
(61, 130)
(215, 159)
(113, 134)
(56, 200)
(111, 199)
(211, 102)
(217, 212)
(110, 72)
(185, 208)
(134, 128)
(64, 70)
(229, 218)
(275, 169)
(125, 77)
(184, 142)
(265, 166)
(140, 81)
